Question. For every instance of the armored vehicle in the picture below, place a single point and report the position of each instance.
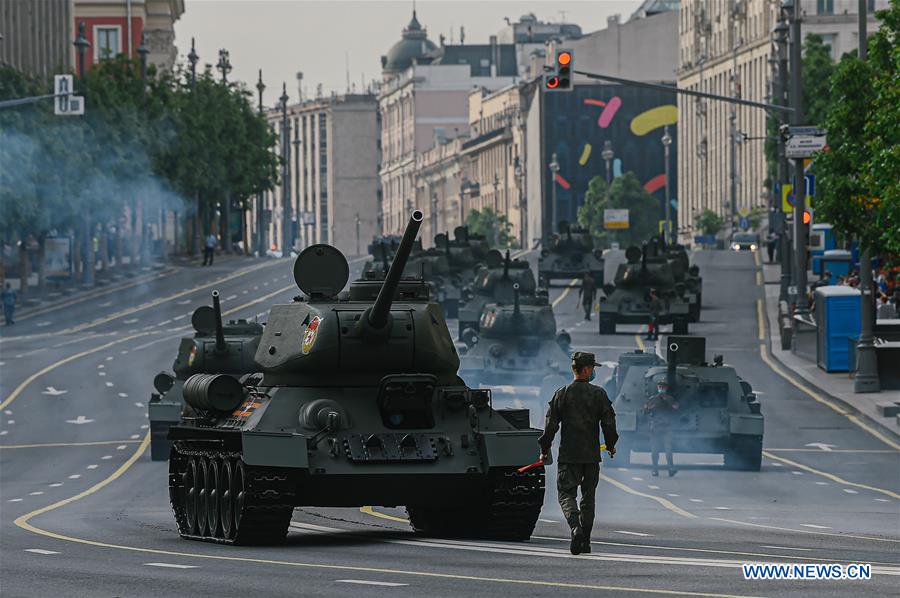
(518, 345)
(628, 300)
(357, 401)
(466, 253)
(682, 271)
(213, 349)
(494, 284)
(718, 412)
(570, 254)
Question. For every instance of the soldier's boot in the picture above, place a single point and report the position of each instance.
(586, 539)
(577, 543)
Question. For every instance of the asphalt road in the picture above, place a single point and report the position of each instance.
(83, 512)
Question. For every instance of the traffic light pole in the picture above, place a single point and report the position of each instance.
(801, 304)
(781, 37)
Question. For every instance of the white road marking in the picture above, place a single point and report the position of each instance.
(79, 420)
(636, 479)
(164, 322)
(74, 476)
(244, 292)
(53, 392)
(130, 320)
(774, 464)
(144, 426)
(105, 457)
(44, 323)
(11, 422)
(109, 384)
(653, 487)
(181, 317)
(138, 404)
(673, 495)
(185, 302)
(40, 551)
(821, 483)
(622, 531)
(810, 525)
(372, 583)
(786, 548)
(101, 373)
(171, 565)
(265, 284)
(110, 358)
(548, 520)
(797, 472)
(256, 288)
(695, 499)
(723, 508)
(882, 500)
(15, 500)
(230, 297)
(124, 395)
(100, 366)
(37, 493)
(92, 466)
(107, 304)
(56, 485)
(134, 436)
(121, 447)
(8, 412)
(822, 446)
(4, 432)
(851, 491)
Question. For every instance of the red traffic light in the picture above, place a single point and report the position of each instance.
(564, 58)
(807, 217)
(552, 82)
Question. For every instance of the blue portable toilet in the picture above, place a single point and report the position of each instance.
(837, 319)
(821, 239)
(836, 261)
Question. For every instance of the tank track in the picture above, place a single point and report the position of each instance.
(510, 510)
(266, 509)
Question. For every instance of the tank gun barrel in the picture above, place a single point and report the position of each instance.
(384, 257)
(644, 256)
(506, 265)
(378, 315)
(221, 347)
(447, 244)
(516, 309)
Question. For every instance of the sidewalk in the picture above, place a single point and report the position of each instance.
(837, 385)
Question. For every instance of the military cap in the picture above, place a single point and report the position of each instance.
(581, 359)
(662, 383)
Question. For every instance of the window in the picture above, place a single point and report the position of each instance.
(829, 39)
(825, 7)
(107, 43)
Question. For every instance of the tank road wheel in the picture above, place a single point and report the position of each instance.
(202, 496)
(745, 453)
(239, 492)
(178, 489)
(189, 484)
(679, 326)
(226, 479)
(607, 324)
(213, 496)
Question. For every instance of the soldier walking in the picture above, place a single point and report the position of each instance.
(656, 307)
(587, 293)
(209, 251)
(662, 410)
(581, 409)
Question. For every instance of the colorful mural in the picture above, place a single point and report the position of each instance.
(579, 123)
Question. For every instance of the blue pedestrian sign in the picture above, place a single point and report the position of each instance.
(744, 223)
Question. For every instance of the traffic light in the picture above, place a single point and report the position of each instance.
(807, 217)
(560, 76)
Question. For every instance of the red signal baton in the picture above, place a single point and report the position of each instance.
(538, 463)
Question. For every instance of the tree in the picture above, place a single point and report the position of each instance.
(496, 228)
(625, 193)
(709, 222)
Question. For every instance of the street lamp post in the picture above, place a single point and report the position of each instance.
(87, 276)
(81, 44)
(193, 58)
(608, 155)
(799, 187)
(462, 203)
(496, 235)
(357, 233)
(260, 207)
(224, 67)
(296, 157)
(146, 250)
(781, 39)
(520, 176)
(285, 176)
(554, 169)
(667, 141)
(434, 212)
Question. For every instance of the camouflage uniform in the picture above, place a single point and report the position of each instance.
(656, 308)
(582, 409)
(661, 408)
(587, 293)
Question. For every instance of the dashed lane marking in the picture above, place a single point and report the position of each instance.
(831, 476)
(24, 522)
(92, 466)
(170, 565)
(806, 531)
(18, 390)
(35, 493)
(819, 451)
(74, 476)
(622, 531)
(40, 551)
(851, 491)
(15, 500)
(565, 292)
(787, 548)
(230, 297)
(61, 444)
(662, 501)
(372, 583)
(814, 526)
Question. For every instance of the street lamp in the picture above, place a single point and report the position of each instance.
(81, 44)
(520, 175)
(296, 157)
(142, 52)
(260, 217)
(608, 155)
(667, 141)
(193, 58)
(224, 65)
(434, 212)
(554, 170)
(781, 31)
(285, 176)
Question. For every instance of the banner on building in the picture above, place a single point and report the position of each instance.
(615, 219)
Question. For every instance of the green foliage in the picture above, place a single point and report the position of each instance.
(755, 217)
(486, 222)
(863, 160)
(626, 192)
(709, 222)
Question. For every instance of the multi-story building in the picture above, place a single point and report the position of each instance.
(424, 97)
(115, 27)
(332, 172)
(441, 184)
(726, 48)
(36, 37)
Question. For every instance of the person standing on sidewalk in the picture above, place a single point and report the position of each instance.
(209, 251)
(582, 410)
(587, 293)
(8, 297)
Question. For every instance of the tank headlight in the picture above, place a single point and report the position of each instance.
(752, 246)
(735, 246)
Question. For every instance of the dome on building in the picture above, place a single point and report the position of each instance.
(413, 46)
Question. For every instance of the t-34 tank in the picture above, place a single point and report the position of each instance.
(571, 253)
(628, 300)
(358, 402)
(518, 345)
(213, 349)
(717, 410)
(682, 271)
(494, 284)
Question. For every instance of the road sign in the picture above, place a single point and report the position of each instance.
(810, 185)
(787, 198)
(804, 146)
(744, 223)
(66, 104)
(806, 130)
(615, 218)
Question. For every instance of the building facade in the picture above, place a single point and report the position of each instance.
(333, 153)
(36, 37)
(727, 48)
